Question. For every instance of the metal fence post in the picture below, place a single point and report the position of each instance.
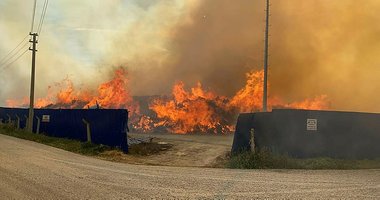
(9, 119)
(252, 140)
(26, 122)
(88, 130)
(18, 122)
(38, 125)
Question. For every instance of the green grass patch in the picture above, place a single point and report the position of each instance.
(264, 159)
(61, 143)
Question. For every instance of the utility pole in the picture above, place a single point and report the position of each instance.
(265, 95)
(31, 100)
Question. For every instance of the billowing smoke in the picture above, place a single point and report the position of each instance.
(84, 40)
(317, 47)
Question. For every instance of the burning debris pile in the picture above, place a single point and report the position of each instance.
(191, 111)
(111, 94)
(197, 110)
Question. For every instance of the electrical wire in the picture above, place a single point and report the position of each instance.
(43, 14)
(33, 16)
(9, 64)
(18, 51)
(5, 57)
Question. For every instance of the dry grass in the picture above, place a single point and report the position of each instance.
(62, 143)
(264, 159)
(147, 149)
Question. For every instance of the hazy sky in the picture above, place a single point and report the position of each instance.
(79, 38)
(317, 46)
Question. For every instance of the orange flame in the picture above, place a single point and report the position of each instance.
(13, 103)
(250, 97)
(115, 93)
(112, 94)
(203, 111)
(195, 110)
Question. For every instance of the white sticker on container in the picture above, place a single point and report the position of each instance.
(45, 118)
(312, 124)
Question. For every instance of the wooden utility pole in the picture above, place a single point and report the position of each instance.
(31, 100)
(265, 95)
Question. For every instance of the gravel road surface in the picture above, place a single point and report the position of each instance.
(30, 170)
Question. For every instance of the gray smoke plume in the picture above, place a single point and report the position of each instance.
(317, 47)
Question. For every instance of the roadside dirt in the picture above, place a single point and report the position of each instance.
(184, 151)
(29, 170)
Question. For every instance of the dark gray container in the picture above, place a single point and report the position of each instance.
(306, 133)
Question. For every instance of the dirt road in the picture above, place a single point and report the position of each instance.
(30, 170)
(187, 150)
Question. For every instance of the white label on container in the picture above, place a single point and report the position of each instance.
(45, 118)
(312, 124)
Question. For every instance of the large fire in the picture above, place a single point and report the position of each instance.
(112, 94)
(197, 110)
(200, 110)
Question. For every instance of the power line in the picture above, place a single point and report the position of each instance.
(18, 51)
(8, 65)
(42, 16)
(4, 58)
(34, 14)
